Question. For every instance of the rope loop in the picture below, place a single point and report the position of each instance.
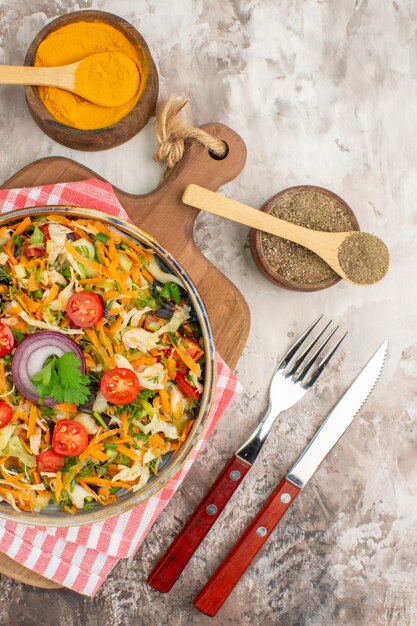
(173, 127)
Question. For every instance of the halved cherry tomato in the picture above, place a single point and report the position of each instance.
(31, 250)
(153, 323)
(191, 346)
(49, 461)
(184, 386)
(120, 385)
(85, 309)
(70, 438)
(6, 414)
(45, 232)
(6, 340)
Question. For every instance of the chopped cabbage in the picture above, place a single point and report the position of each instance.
(52, 276)
(15, 448)
(153, 376)
(133, 317)
(56, 245)
(5, 434)
(78, 495)
(45, 326)
(3, 258)
(163, 277)
(60, 304)
(141, 339)
(4, 235)
(159, 426)
(121, 361)
(88, 422)
(35, 441)
(100, 403)
(130, 474)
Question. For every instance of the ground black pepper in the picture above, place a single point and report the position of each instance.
(364, 258)
(313, 209)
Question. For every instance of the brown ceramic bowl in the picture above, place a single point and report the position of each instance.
(121, 131)
(255, 240)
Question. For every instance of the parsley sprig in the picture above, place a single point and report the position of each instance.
(61, 379)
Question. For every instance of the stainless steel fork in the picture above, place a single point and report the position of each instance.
(295, 374)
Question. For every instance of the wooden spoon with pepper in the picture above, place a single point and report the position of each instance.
(109, 79)
(358, 257)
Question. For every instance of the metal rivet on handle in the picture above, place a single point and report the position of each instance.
(285, 498)
(211, 509)
(261, 531)
(235, 475)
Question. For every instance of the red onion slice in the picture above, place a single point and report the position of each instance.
(31, 355)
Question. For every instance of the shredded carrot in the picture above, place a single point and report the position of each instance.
(98, 454)
(92, 265)
(89, 361)
(135, 456)
(66, 408)
(22, 226)
(116, 325)
(58, 485)
(125, 423)
(14, 310)
(188, 360)
(108, 433)
(171, 367)
(186, 430)
(100, 350)
(52, 295)
(143, 360)
(106, 481)
(3, 382)
(165, 401)
(32, 283)
(147, 275)
(32, 420)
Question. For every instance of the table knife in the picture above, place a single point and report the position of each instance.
(217, 589)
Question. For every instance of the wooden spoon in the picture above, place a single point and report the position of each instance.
(360, 258)
(95, 78)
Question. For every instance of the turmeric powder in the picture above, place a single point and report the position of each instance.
(74, 42)
(107, 78)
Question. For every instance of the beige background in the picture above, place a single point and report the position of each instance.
(323, 92)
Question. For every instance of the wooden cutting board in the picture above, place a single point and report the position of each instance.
(162, 214)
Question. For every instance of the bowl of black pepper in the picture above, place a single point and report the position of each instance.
(288, 264)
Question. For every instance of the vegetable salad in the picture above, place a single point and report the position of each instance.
(101, 364)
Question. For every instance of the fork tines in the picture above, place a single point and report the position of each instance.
(305, 364)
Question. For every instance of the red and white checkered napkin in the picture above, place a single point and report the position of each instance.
(81, 557)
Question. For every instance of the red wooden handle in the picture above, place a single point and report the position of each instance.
(215, 592)
(170, 566)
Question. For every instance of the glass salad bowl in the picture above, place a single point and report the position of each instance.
(171, 462)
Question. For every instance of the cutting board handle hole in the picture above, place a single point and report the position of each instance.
(220, 157)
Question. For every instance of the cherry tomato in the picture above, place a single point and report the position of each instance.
(6, 414)
(85, 309)
(49, 461)
(192, 346)
(32, 250)
(120, 385)
(184, 386)
(45, 232)
(6, 340)
(70, 438)
(152, 322)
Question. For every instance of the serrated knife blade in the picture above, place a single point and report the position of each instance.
(338, 420)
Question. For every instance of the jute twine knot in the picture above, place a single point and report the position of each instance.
(173, 127)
